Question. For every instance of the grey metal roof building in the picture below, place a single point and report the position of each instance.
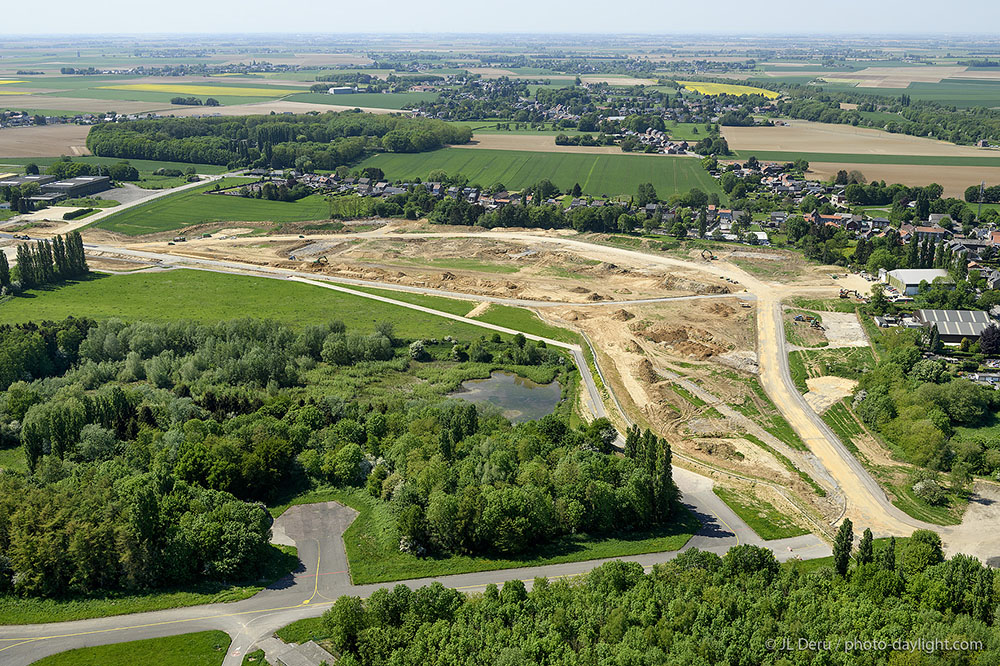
(953, 325)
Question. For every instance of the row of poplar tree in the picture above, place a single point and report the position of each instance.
(46, 262)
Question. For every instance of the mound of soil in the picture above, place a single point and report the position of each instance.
(721, 309)
(645, 373)
(580, 290)
(622, 315)
(595, 297)
(676, 283)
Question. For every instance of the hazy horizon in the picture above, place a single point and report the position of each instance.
(449, 17)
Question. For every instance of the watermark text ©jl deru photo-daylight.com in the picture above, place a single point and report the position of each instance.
(854, 645)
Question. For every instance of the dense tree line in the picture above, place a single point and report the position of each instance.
(699, 609)
(989, 194)
(45, 262)
(277, 141)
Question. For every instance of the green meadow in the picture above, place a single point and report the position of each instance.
(597, 174)
(209, 297)
(195, 206)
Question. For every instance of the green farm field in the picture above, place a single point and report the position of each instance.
(194, 206)
(205, 648)
(208, 297)
(953, 92)
(597, 174)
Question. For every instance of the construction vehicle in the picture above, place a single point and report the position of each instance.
(708, 256)
(321, 260)
(799, 318)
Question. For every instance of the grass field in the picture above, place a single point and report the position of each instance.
(372, 543)
(208, 297)
(596, 174)
(195, 207)
(205, 648)
(713, 89)
(762, 516)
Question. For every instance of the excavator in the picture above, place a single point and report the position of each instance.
(321, 260)
(707, 255)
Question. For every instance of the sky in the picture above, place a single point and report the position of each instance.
(519, 16)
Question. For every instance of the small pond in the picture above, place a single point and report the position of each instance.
(518, 398)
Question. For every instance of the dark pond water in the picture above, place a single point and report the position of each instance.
(518, 398)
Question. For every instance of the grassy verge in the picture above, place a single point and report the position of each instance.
(205, 648)
(255, 658)
(15, 610)
(762, 516)
(453, 306)
(372, 543)
(798, 371)
(687, 395)
(948, 513)
(789, 465)
(304, 630)
(842, 422)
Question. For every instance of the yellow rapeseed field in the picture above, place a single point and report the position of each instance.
(3, 81)
(727, 89)
(180, 89)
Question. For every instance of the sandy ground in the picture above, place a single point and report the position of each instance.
(977, 534)
(50, 214)
(844, 330)
(497, 268)
(810, 137)
(954, 179)
(824, 392)
(44, 141)
(540, 143)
